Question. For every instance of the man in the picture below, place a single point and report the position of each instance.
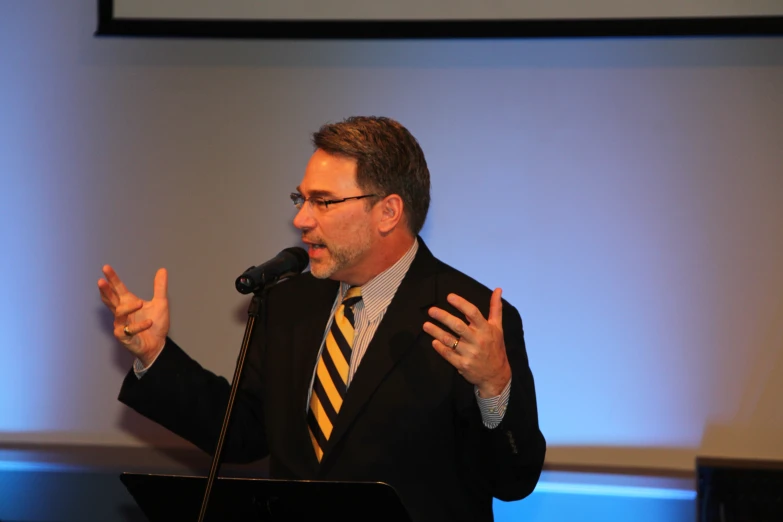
(380, 364)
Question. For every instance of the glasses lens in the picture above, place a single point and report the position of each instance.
(298, 199)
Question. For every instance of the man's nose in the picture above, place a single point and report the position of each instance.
(303, 220)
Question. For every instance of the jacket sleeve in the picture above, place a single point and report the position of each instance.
(509, 458)
(179, 394)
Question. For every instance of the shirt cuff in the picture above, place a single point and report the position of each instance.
(139, 369)
(493, 408)
(138, 366)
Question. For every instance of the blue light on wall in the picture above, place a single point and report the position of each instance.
(561, 502)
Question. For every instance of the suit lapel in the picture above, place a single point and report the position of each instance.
(399, 331)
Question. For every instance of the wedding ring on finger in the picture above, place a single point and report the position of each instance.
(127, 331)
(456, 343)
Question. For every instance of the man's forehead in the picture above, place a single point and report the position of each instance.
(328, 174)
(322, 160)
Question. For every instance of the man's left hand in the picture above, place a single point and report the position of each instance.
(478, 350)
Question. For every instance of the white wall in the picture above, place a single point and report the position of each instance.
(626, 194)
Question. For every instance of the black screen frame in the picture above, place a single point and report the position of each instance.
(110, 25)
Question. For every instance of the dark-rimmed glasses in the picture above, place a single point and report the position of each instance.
(320, 203)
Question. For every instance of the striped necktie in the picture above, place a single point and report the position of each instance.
(331, 376)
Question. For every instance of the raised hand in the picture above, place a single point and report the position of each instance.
(478, 351)
(141, 326)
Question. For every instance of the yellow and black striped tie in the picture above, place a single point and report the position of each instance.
(331, 376)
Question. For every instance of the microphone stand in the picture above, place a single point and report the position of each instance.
(252, 314)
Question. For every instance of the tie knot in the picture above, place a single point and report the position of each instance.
(352, 296)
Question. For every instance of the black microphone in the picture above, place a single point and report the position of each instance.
(287, 263)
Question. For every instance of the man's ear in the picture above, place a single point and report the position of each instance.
(391, 208)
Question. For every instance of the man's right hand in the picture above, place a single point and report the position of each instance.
(146, 321)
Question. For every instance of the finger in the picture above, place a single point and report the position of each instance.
(446, 338)
(124, 310)
(161, 284)
(133, 328)
(496, 308)
(447, 353)
(472, 313)
(108, 295)
(114, 280)
(454, 324)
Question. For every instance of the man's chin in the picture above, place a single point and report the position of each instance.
(321, 272)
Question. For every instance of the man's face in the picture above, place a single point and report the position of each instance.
(340, 236)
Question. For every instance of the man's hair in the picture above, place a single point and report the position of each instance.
(388, 158)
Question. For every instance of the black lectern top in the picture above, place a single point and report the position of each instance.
(173, 498)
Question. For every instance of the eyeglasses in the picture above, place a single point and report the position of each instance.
(321, 203)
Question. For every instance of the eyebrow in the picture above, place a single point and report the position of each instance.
(318, 193)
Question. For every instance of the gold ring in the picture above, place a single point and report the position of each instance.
(454, 346)
(127, 332)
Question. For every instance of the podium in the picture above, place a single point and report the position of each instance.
(175, 498)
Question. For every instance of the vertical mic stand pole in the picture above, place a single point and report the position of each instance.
(252, 314)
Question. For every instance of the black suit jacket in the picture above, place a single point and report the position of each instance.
(409, 418)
